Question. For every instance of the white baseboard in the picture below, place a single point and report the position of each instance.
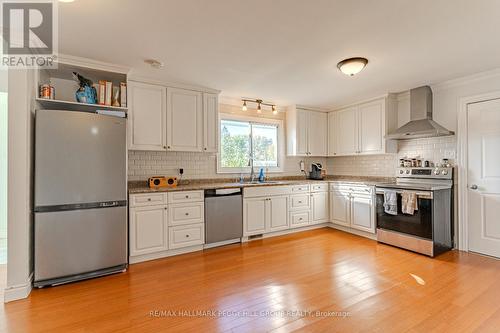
(163, 254)
(353, 231)
(14, 293)
(285, 232)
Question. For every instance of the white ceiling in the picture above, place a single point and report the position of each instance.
(286, 51)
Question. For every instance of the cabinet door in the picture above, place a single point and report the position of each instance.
(302, 126)
(319, 207)
(332, 132)
(146, 117)
(347, 132)
(317, 133)
(210, 126)
(278, 213)
(363, 214)
(254, 216)
(184, 120)
(148, 230)
(371, 127)
(339, 208)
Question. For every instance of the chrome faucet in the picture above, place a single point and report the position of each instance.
(252, 171)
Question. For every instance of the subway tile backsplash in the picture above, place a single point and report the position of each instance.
(431, 149)
(144, 164)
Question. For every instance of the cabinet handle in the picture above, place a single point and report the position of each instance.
(149, 199)
(165, 208)
(168, 147)
(187, 214)
(187, 196)
(164, 147)
(187, 236)
(300, 219)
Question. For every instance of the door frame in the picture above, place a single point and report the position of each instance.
(463, 157)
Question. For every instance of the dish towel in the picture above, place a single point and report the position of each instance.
(409, 202)
(391, 202)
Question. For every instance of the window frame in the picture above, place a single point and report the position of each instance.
(252, 120)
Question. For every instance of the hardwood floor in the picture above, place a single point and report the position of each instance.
(377, 287)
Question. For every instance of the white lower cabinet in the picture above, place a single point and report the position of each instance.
(363, 213)
(278, 213)
(299, 219)
(186, 235)
(148, 230)
(319, 207)
(266, 214)
(353, 207)
(159, 223)
(254, 216)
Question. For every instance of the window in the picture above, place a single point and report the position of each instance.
(242, 138)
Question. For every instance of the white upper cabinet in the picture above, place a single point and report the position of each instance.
(332, 132)
(210, 117)
(171, 119)
(347, 131)
(361, 129)
(184, 120)
(147, 116)
(307, 132)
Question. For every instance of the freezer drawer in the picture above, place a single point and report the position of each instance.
(79, 241)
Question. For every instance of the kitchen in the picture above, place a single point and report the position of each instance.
(267, 184)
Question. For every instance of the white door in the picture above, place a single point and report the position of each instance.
(302, 124)
(146, 117)
(371, 127)
(347, 132)
(317, 133)
(254, 216)
(184, 120)
(363, 214)
(332, 133)
(319, 207)
(484, 177)
(148, 230)
(339, 208)
(210, 114)
(278, 213)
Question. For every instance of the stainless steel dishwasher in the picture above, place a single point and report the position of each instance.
(223, 217)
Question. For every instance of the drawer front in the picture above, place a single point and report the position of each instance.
(319, 187)
(363, 190)
(301, 188)
(185, 196)
(149, 199)
(298, 219)
(186, 235)
(186, 213)
(299, 201)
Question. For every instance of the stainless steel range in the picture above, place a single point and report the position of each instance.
(429, 230)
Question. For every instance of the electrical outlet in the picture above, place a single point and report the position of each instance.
(181, 171)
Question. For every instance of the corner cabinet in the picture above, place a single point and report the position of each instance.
(147, 117)
(171, 119)
(352, 206)
(361, 129)
(307, 132)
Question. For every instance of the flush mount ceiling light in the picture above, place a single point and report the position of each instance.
(352, 66)
(154, 63)
(259, 103)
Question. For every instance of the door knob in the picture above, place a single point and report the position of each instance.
(473, 187)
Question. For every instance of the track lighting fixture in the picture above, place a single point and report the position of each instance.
(259, 103)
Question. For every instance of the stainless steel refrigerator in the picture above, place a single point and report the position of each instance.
(80, 226)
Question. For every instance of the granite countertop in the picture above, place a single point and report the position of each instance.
(135, 187)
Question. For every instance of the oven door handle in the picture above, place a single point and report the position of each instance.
(420, 194)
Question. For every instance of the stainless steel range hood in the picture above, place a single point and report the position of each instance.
(421, 124)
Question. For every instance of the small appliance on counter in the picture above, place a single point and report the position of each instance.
(316, 171)
(162, 181)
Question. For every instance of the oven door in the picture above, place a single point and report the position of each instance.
(419, 224)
